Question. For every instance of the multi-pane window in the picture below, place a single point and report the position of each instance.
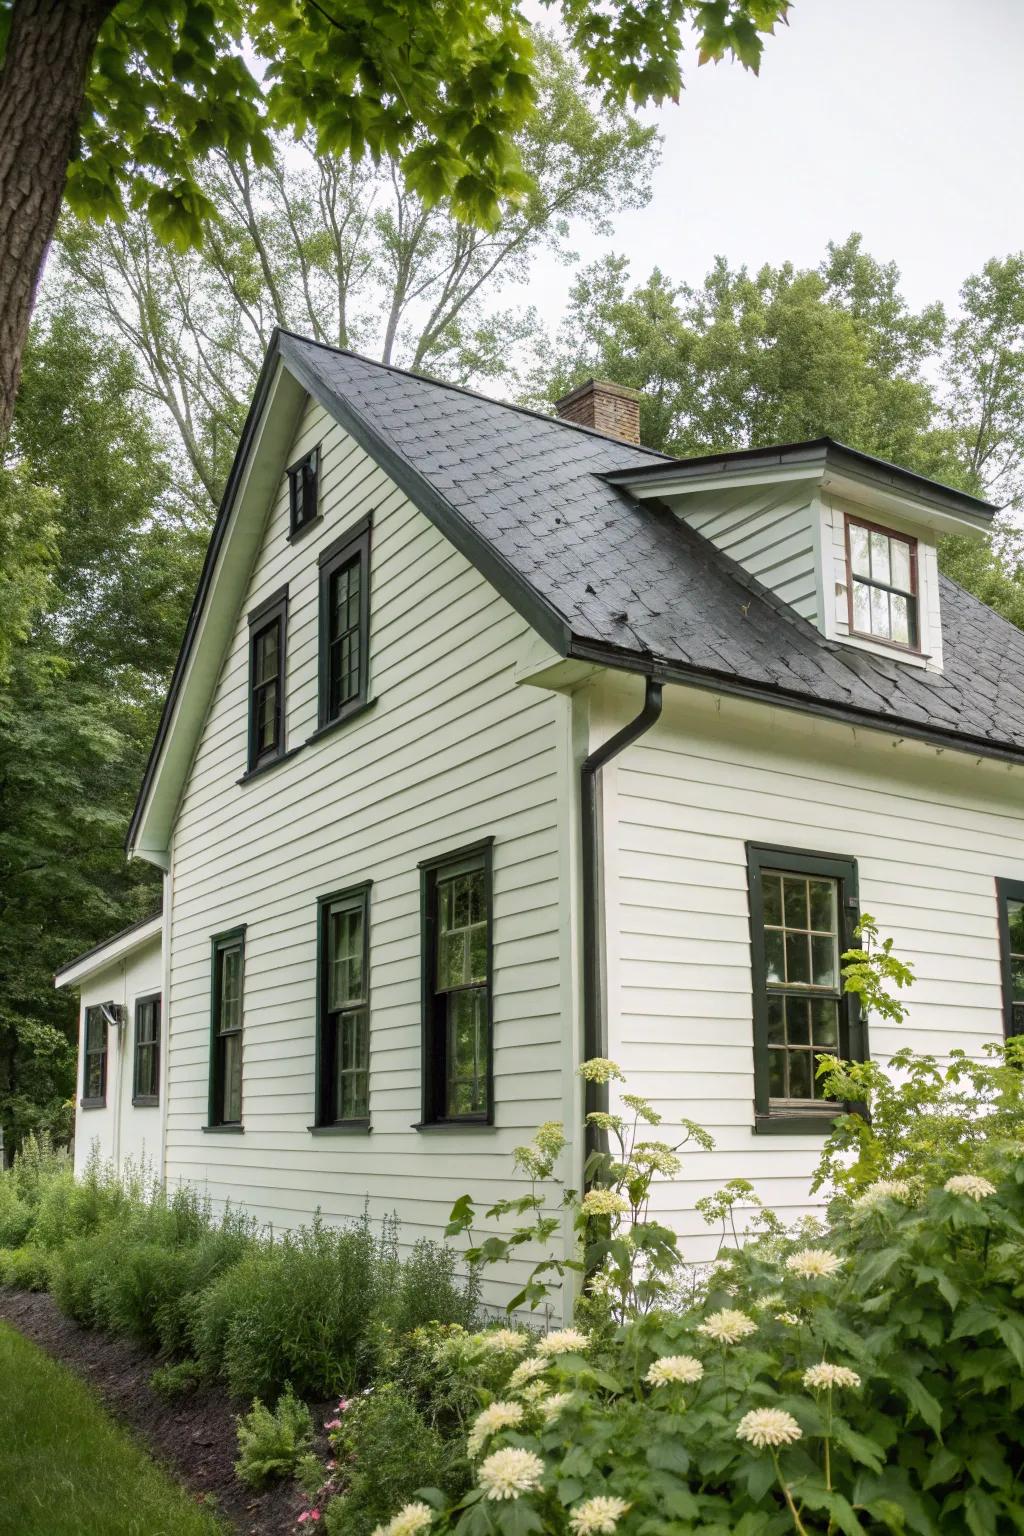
(94, 1069)
(1011, 940)
(226, 1022)
(883, 584)
(146, 1087)
(802, 908)
(266, 680)
(344, 1048)
(344, 625)
(304, 491)
(457, 975)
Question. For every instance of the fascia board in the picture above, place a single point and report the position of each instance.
(105, 955)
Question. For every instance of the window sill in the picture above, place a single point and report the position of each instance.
(223, 1130)
(336, 725)
(92, 1103)
(272, 762)
(300, 532)
(782, 1124)
(342, 1128)
(453, 1125)
(145, 1101)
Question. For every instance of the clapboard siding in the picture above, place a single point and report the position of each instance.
(120, 1130)
(930, 832)
(768, 530)
(452, 750)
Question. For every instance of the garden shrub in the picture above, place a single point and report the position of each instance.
(25, 1269)
(178, 1380)
(16, 1215)
(134, 1286)
(271, 1445)
(385, 1450)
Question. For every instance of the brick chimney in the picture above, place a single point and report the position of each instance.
(607, 407)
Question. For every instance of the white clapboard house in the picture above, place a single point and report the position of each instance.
(497, 741)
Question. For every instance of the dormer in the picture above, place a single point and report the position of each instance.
(847, 540)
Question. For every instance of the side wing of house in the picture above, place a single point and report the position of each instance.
(374, 839)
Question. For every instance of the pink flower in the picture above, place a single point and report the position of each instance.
(314, 1514)
(304, 1517)
(331, 1466)
(332, 1424)
(342, 1404)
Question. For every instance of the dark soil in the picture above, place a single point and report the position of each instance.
(193, 1437)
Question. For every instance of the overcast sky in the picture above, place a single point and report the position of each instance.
(903, 119)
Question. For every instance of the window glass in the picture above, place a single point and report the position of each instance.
(345, 1048)
(147, 1048)
(94, 1078)
(344, 636)
(303, 490)
(801, 950)
(228, 1014)
(266, 670)
(883, 593)
(1013, 963)
(459, 1048)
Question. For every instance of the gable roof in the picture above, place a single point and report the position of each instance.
(531, 501)
(118, 947)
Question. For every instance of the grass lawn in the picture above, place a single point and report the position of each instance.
(66, 1469)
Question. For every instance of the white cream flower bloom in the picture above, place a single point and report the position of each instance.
(409, 1520)
(507, 1473)
(525, 1371)
(768, 1426)
(969, 1184)
(728, 1326)
(883, 1189)
(500, 1339)
(674, 1368)
(788, 1317)
(826, 1376)
(552, 1406)
(597, 1516)
(814, 1263)
(603, 1202)
(600, 1070)
(497, 1417)
(563, 1341)
(534, 1391)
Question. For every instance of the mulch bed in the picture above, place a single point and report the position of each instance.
(193, 1437)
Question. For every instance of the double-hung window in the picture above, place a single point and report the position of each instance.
(343, 1037)
(458, 1028)
(304, 492)
(803, 909)
(94, 1068)
(146, 1077)
(882, 584)
(267, 631)
(226, 1010)
(344, 624)
(1010, 896)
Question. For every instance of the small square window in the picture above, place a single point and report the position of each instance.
(304, 491)
(882, 580)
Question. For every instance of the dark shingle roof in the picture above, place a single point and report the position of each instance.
(603, 575)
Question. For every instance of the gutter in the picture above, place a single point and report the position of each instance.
(595, 1023)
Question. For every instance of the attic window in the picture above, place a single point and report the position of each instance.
(304, 492)
(882, 584)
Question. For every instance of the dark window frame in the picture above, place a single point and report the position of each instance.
(354, 545)
(304, 492)
(853, 1035)
(434, 1019)
(141, 1100)
(913, 607)
(1007, 890)
(357, 897)
(220, 944)
(270, 614)
(88, 1100)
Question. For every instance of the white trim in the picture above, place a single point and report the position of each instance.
(107, 954)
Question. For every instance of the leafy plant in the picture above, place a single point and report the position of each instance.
(385, 1451)
(870, 970)
(271, 1445)
(178, 1380)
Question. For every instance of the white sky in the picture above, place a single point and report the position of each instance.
(903, 119)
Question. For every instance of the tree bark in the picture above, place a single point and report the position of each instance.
(42, 87)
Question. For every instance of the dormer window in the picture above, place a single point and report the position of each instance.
(882, 584)
(304, 492)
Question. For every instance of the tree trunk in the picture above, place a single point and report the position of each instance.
(42, 86)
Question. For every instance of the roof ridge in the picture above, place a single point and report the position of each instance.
(477, 394)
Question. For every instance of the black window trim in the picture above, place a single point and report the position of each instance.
(147, 1100)
(298, 526)
(95, 1101)
(273, 610)
(358, 892)
(355, 541)
(802, 861)
(1007, 890)
(219, 942)
(432, 1070)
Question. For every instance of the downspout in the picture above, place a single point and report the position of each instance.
(595, 1024)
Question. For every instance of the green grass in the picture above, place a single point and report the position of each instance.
(66, 1469)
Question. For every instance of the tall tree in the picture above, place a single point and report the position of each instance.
(119, 100)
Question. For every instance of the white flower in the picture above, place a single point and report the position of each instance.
(504, 1338)
(534, 1392)
(508, 1473)
(656, 1156)
(550, 1137)
(814, 1263)
(601, 1514)
(788, 1317)
(883, 1189)
(552, 1406)
(768, 1426)
(563, 1341)
(410, 1519)
(826, 1375)
(728, 1326)
(600, 1070)
(525, 1371)
(765, 1303)
(671, 1368)
(969, 1184)
(603, 1202)
(498, 1416)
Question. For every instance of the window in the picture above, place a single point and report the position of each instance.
(304, 492)
(94, 1069)
(146, 1086)
(802, 915)
(266, 680)
(457, 1046)
(344, 624)
(226, 1028)
(1010, 894)
(882, 584)
(343, 1071)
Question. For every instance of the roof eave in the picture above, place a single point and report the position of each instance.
(119, 947)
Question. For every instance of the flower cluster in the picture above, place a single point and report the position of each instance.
(409, 1520)
(550, 1137)
(825, 1376)
(728, 1326)
(969, 1184)
(508, 1473)
(552, 1406)
(497, 1417)
(655, 1157)
(562, 1341)
(496, 1340)
(883, 1189)
(600, 1070)
(768, 1426)
(597, 1516)
(525, 1371)
(814, 1263)
(674, 1368)
(603, 1202)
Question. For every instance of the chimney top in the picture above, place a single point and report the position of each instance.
(610, 408)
